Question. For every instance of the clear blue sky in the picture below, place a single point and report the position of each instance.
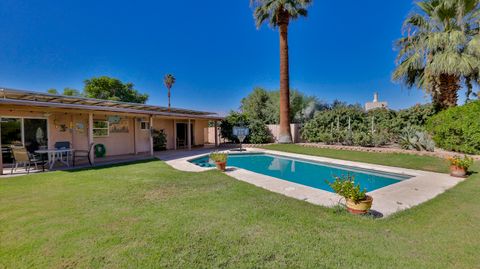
(342, 50)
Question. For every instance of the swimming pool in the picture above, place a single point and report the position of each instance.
(308, 173)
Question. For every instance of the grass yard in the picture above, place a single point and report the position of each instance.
(148, 215)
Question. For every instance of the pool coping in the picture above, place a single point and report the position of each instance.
(407, 193)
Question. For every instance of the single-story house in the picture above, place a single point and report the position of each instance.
(39, 120)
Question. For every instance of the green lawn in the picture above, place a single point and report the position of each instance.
(390, 159)
(148, 215)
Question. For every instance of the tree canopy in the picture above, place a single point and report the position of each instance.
(113, 89)
(441, 49)
(263, 105)
(67, 92)
(274, 11)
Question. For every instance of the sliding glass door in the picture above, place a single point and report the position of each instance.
(28, 132)
(11, 129)
(35, 134)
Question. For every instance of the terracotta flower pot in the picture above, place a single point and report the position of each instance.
(221, 166)
(361, 207)
(456, 171)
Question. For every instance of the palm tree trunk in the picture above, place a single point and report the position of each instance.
(285, 135)
(168, 99)
(449, 85)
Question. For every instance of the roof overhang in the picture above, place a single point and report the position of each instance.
(23, 98)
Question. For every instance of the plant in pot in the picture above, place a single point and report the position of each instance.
(357, 201)
(159, 140)
(459, 165)
(220, 160)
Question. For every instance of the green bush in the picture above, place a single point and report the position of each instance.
(233, 119)
(259, 133)
(362, 139)
(345, 186)
(457, 128)
(415, 116)
(159, 140)
(351, 125)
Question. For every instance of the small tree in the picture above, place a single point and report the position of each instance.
(169, 80)
(113, 89)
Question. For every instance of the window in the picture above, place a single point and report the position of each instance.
(101, 128)
(144, 125)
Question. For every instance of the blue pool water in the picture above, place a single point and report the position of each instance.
(309, 173)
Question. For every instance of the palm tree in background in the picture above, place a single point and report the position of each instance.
(441, 49)
(169, 80)
(278, 13)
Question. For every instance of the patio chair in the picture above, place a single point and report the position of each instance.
(83, 154)
(63, 145)
(181, 143)
(22, 156)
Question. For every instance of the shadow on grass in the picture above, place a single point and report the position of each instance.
(111, 165)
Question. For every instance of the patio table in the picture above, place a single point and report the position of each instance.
(54, 156)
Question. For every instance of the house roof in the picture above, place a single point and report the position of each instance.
(21, 97)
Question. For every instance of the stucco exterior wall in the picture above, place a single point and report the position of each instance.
(73, 126)
(200, 126)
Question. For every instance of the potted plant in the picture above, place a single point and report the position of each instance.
(459, 165)
(159, 140)
(357, 201)
(220, 160)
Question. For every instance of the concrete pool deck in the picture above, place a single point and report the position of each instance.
(423, 185)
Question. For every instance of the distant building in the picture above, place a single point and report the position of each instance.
(375, 104)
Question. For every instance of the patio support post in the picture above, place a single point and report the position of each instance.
(151, 136)
(174, 134)
(216, 133)
(135, 136)
(189, 135)
(90, 136)
(1, 151)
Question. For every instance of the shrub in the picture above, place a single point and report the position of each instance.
(458, 161)
(259, 133)
(159, 140)
(416, 116)
(233, 119)
(326, 138)
(380, 138)
(413, 138)
(345, 187)
(457, 128)
(362, 139)
(218, 157)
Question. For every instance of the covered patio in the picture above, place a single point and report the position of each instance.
(40, 121)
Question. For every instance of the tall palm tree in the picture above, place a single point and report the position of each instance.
(278, 13)
(440, 50)
(169, 80)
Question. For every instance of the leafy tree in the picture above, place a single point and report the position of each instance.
(52, 91)
(457, 128)
(441, 49)
(278, 13)
(169, 80)
(66, 92)
(263, 105)
(259, 133)
(231, 120)
(415, 117)
(113, 89)
(257, 104)
(71, 92)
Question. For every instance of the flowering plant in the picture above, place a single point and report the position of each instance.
(461, 162)
(345, 186)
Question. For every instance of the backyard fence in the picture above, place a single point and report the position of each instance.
(274, 129)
